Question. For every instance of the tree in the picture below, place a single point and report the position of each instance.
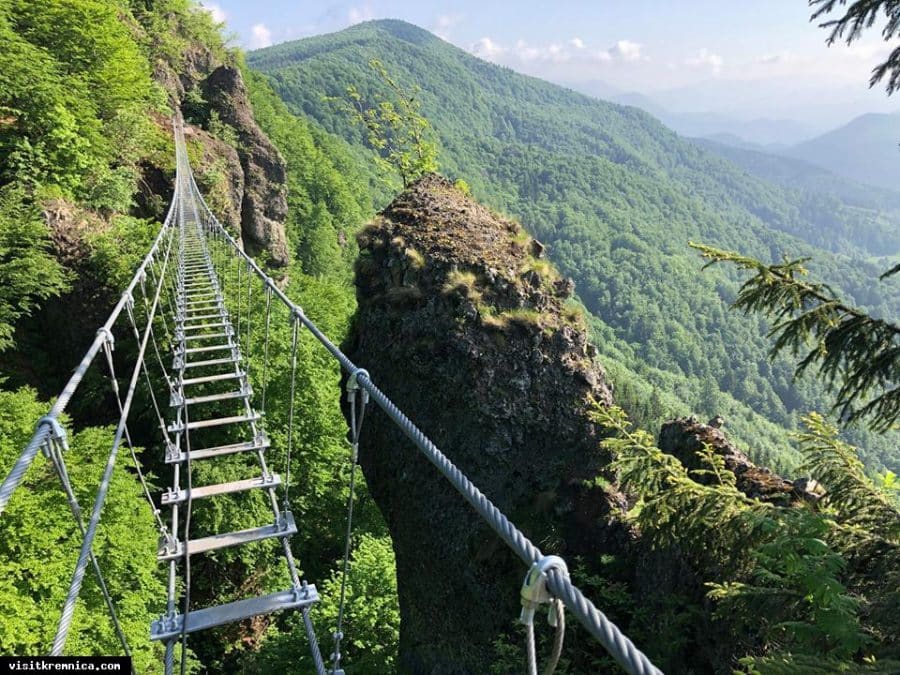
(40, 542)
(857, 18)
(395, 128)
(856, 354)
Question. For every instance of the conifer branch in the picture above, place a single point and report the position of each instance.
(857, 355)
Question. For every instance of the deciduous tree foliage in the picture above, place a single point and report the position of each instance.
(79, 114)
(40, 542)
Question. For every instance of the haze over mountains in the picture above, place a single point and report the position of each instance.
(863, 149)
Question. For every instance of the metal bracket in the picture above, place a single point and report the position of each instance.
(534, 589)
(57, 432)
(353, 380)
(270, 283)
(176, 398)
(108, 337)
(171, 451)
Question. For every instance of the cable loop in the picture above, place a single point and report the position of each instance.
(534, 588)
(353, 386)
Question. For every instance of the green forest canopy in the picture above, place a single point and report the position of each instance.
(618, 196)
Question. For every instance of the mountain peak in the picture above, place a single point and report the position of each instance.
(396, 28)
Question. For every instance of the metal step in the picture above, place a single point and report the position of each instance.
(215, 324)
(171, 550)
(203, 300)
(178, 427)
(171, 497)
(178, 364)
(166, 628)
(195, 290)
(209, 348)
(204, 317)
(201, 306)
(177, 400)
(202, 336)
(260, 443)
(219, 377)
(196, 296)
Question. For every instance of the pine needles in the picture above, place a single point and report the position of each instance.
(857, 355)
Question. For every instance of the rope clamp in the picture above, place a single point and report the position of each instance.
(534, 588)
(57, 432)
(128, 298)
(353, 380)
(108, 337)
(297, 312)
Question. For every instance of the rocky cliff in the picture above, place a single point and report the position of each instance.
(247, 176)
(685, 437)
(469, 329)
(472, 333)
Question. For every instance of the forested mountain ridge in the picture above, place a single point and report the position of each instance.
(617, 196)
(864, 149)
(799, 174)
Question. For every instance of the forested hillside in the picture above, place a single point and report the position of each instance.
(617, 197)
(88, 93)
(802, 175)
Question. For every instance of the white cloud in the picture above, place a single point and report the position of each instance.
(444, 23)
(218, 14)
(487, 49)
(838, 64)
(573, 51)
(706, 59)
(262, 36)
(359, 14)
(626, 50)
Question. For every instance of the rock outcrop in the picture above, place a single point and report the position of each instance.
(685, 437)
(219, 159)
(264, 205)
(255, 180)
(468, 329)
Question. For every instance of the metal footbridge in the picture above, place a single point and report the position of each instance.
(197, 286)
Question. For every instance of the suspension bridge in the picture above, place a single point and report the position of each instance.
(191, 281)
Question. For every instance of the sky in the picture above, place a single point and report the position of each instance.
(760, 58)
